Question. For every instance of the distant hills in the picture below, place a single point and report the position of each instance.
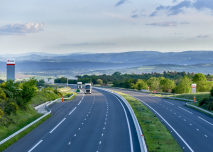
(142, 57)
(103, 61)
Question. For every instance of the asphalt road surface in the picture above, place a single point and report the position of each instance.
(89, 123)
(192, 129)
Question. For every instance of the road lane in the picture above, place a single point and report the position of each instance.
(98, 123)
(197, 133)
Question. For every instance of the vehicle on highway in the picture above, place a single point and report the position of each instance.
(88, 88)
(79, 85)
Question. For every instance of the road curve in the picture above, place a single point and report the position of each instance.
(192, 129)
(89, 123)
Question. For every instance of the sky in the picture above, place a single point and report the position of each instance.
(97, 26)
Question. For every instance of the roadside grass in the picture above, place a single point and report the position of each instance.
(190, 96)
(43, 96)
(68, 94)
(25, 117)
(20, 120)
(157, 136)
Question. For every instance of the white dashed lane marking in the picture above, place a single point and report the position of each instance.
(205, 120)
(185, 110)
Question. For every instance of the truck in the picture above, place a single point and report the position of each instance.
(88, 88)
(79, 85)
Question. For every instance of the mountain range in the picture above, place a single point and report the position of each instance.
(104, 61)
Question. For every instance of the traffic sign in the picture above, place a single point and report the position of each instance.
(170, 90)
(154, 91)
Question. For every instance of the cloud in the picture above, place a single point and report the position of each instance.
(12, 29)
(181, 6)
(86, 44)
(137, 14)
(120, 2)
(170, 23)
(205, 36)
(185, 22)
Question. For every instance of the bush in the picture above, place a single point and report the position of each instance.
(11, 108)
(1, 113)
(211, 92)
(57, 92)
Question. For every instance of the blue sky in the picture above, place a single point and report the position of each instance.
(70, 26)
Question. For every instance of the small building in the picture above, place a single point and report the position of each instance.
(49, 81)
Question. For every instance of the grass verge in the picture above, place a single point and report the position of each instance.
(190, 96)
(69, 94)
(157, 136)
(23, 133)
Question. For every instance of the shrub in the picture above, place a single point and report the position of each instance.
(1, 113)
(11, 108)
(203, 101)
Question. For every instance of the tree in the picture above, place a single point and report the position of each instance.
(28, 92)
(99, 81)
(140, 84)
(184, 86)
(116, 73)
(1, 113)
(167, 84)
(154, 83)
(41, 81)
(201, 82)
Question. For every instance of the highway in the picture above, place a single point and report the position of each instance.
(192, 129)
(96, 122)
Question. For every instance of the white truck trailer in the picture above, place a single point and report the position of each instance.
(79, 85)
(88, 88)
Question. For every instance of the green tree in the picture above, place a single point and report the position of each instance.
(184, 86)
(167, 84)
(1, 113)
(41, 81)
(28, 92)
(140, 84)
(201, 82)
(154, 83)
(99, 81)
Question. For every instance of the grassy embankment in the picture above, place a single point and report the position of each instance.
(24, 117)
(190, 96)
(157, 136)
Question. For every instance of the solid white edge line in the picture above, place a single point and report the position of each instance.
(57, 125)
(205, 120)
(168, 125)
(35, 146)
(130, 134)
(185, 110)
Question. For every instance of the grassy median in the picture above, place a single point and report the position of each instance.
(157, 136)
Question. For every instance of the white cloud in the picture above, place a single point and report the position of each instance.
(205, 36)
(12, 29)
(85, 44)
(170, 23)
(185, 22)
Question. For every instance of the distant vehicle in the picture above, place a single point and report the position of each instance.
(88, 88)
(79, 85)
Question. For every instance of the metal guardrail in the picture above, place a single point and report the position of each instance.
(199, 109)
(19, 131)
(135, 120)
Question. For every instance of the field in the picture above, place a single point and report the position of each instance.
(20, 77)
